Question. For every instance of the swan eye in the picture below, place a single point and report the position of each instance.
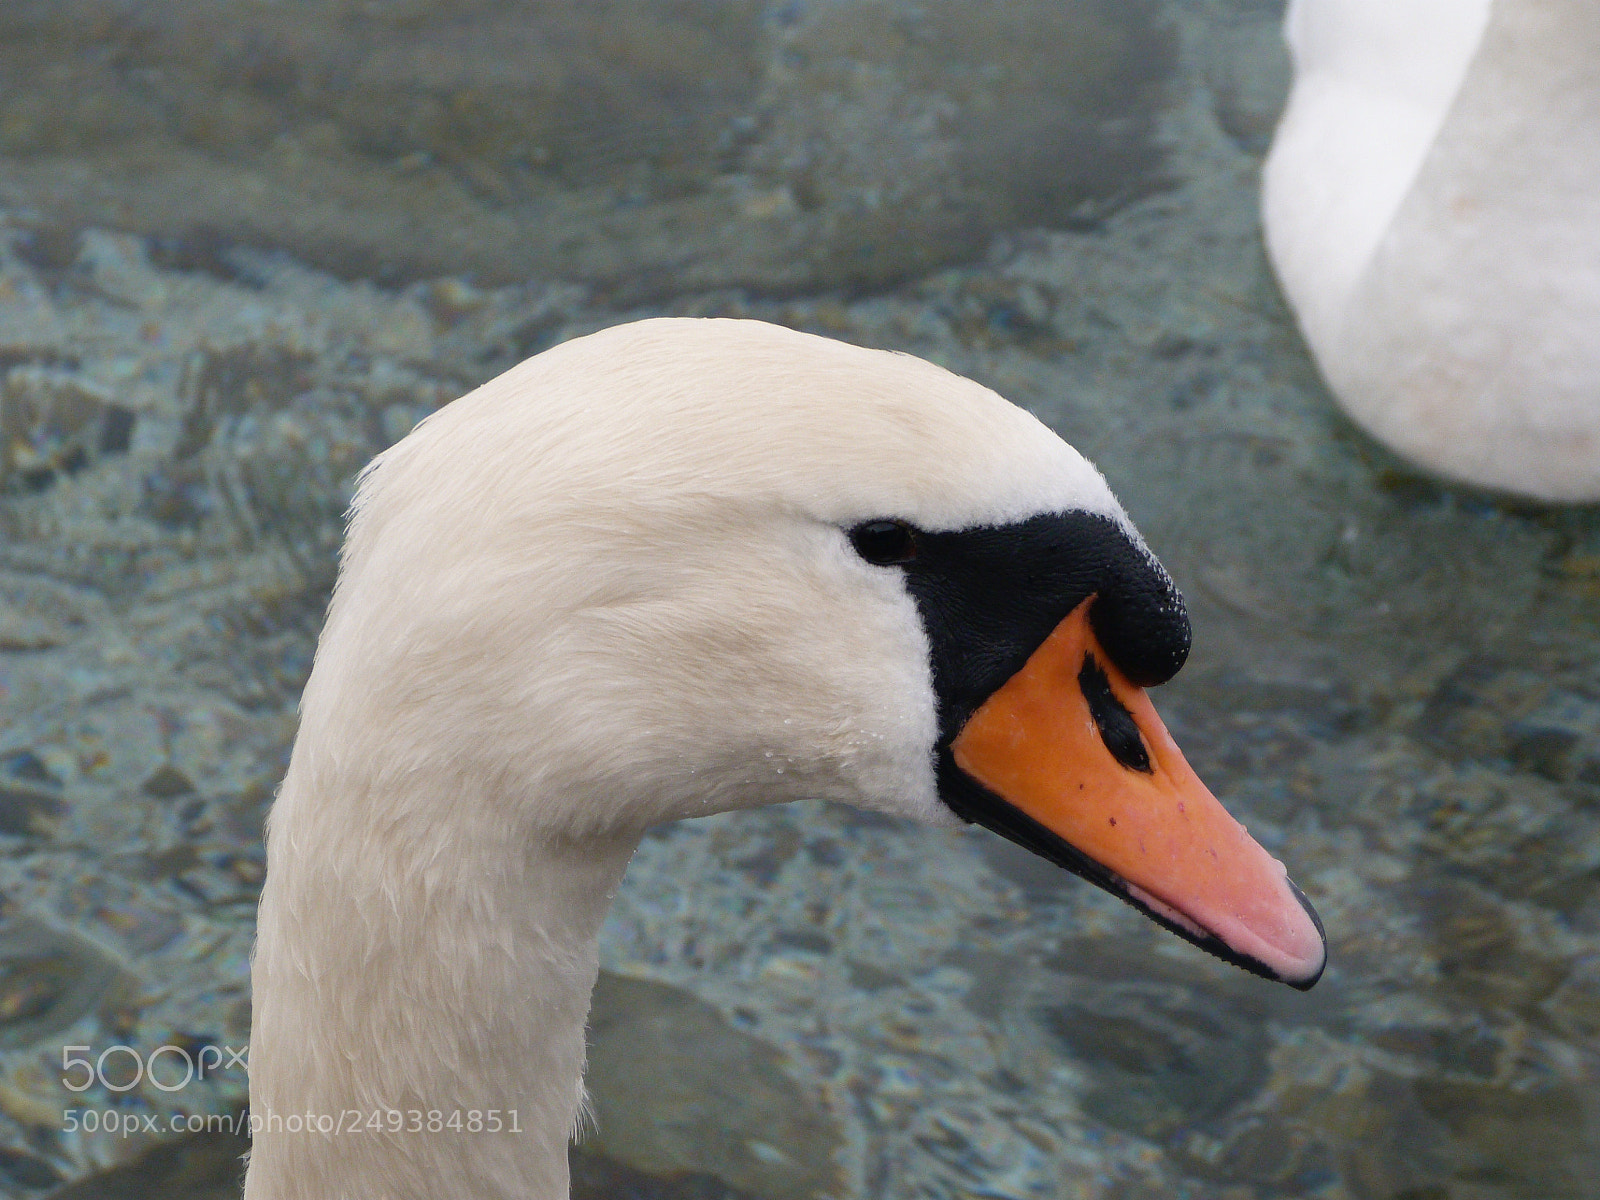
(884, 543)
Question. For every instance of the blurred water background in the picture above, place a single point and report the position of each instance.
(244, 244)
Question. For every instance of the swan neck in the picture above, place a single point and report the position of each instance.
(433, 975)
(1374, 83)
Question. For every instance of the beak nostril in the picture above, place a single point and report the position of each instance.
(1118, 730)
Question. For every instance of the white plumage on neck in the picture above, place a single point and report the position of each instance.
(1430, 207)
(1373, 80)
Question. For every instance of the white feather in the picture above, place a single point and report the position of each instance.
(1431, 208)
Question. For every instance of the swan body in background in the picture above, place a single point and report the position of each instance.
(1431, 203)
(675, 568)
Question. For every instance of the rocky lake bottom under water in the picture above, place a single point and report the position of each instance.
(1396, 685)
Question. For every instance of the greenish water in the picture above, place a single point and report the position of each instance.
(247, 245)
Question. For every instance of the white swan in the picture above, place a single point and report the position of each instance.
(1431, 204)
(669, 569)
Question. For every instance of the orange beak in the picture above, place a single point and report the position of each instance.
(1076, 749)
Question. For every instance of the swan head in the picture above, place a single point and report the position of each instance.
(684, 566)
